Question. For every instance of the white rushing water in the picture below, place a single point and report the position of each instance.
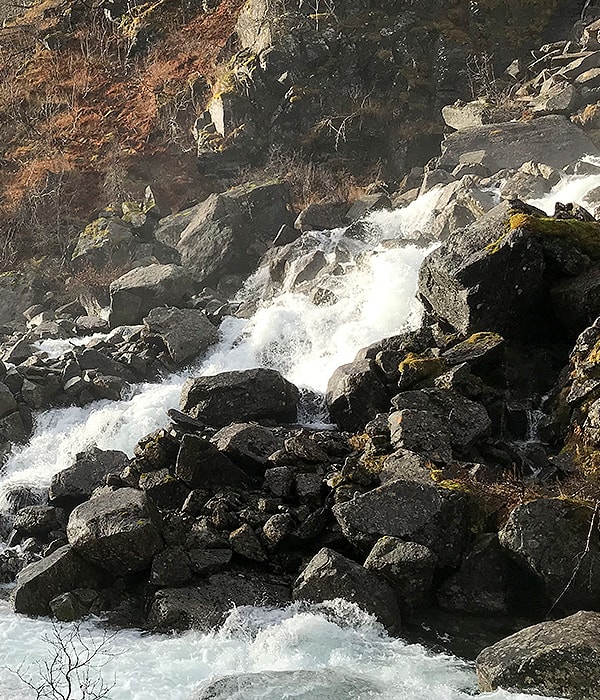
(331, 651)
(319, 653)
(304, 341)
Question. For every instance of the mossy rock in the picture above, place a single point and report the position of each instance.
(585, 235)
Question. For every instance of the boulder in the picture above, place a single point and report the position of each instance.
(330, 575)
(416, 511)
(40, 582)
(111, 243)
(200, 465)
(482, 585)
(450, 416)
(230, 231)
(486, 278)
(407, 566)
(76, 483)
(119, 531)
(8, 403)
(355, 393)
(246, 395)
(205, 607)
(553, 140)
(248, 445)
(39, 521)
(186, 333)
(166, 492)
(559, 658)
(576, 301)
(464, 115)
(322, 684)
(135, 293)
(557, 541)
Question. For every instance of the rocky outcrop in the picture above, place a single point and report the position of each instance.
(556, 658)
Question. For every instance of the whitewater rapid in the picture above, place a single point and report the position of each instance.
(321, 652)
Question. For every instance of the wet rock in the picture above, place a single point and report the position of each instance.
(417, 511)
(556, 658)
(407, 566)
(186, 333)
(245, 395)
(204, 607)
(555, 540)
(355, 393)
(8, 403)
(40, 582)
(324, 683)
(74, 485)
(321, 216)
(119, 531)
(73, 605)
(39, 521)
(205, 562)
(330, 575)
(577, 301)
(171, 567)
(133, 295)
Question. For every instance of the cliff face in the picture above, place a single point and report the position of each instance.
(99, 101)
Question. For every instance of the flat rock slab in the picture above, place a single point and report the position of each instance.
(186, 333)
(552, 140)
(556, 658)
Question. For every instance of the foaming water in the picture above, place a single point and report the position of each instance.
(569, 189)
(305, 341)
(328, 651)
(54, 348)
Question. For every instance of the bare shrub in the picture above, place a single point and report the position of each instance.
(73, 669)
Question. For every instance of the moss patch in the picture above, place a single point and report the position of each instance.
(584, 235)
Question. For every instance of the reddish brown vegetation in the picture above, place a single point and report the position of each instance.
(98, 106)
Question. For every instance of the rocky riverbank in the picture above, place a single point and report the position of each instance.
(436, 492)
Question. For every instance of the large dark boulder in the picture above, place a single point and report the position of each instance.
(558, 542)
(330, 575)
(557, 658)
(486, 278)
(134, 294)
(482, 585)
(407, 566)
(552, 140)
(119, 531)
(230, 231)
(355, 394)
(205, 607)
(252, 394)
(576, 301)
(200, 464)
(40, 582)
(186, 333)
(76, 483)
(414, 510)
